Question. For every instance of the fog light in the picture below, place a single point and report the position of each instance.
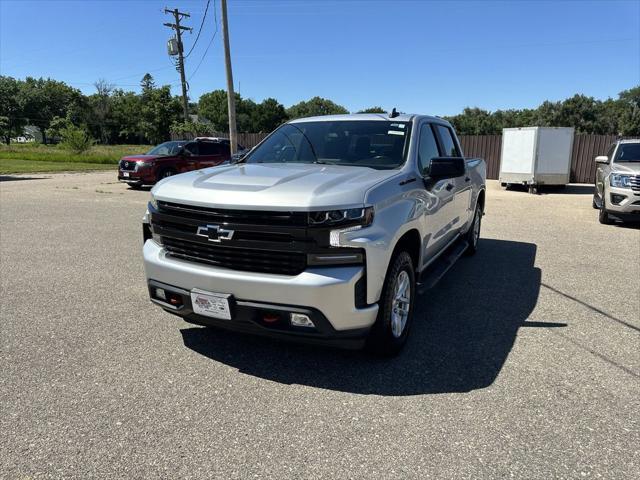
(301, 320)
(616, 199)
(270, 318)
(175, 299)
(161, 294)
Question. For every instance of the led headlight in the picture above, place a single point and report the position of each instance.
(620, 181)
(142, 164)
(153, 202)
(349, 216)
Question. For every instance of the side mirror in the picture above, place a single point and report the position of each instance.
(446, 167)
(602, 159)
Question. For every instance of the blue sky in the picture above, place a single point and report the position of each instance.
(420, 56)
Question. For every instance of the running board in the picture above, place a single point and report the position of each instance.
(432, 274)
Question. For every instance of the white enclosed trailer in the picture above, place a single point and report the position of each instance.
(535, 156)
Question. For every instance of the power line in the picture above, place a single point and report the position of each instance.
(215, 16)
(199, 30)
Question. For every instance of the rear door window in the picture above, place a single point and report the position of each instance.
(192, 148)
(209, 149)
(448, 144)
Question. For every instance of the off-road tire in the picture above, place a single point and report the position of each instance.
(603, 215)
(472, 236)
(381, 340)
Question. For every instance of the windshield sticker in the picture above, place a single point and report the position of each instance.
(395, 132)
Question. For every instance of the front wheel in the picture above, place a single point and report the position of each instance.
(473, 235)
(391, 329)
(603, 215)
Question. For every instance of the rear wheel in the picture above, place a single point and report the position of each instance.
(392, 326)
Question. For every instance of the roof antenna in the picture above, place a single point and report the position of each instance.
(393, 113)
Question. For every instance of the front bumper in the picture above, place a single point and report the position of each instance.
(329, 291)
(627, 205)
(136, 177)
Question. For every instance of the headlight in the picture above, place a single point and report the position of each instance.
(153, 202)
(144, 164)
(350, 216)
(620, 181)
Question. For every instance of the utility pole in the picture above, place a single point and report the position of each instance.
(231, 98)
(177, 15)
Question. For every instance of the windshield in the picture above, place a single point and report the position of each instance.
(167, 148)
(628, 152)
(361, 143)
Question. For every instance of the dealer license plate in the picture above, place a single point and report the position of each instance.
(211, 304)
(125, 174)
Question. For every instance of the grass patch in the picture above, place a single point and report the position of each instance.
(34, 166)
(98, 154)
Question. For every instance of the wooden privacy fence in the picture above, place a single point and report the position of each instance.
(484, 146)
(586, 147)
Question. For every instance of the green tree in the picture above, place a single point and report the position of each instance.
(45, 99)
(474, 121)
(57, 126)
(316, 106)
(76, 139)
(159, 111)
(629, 112)
(126, 116)
(147, 84)
(581, 112)
(373, 110)
(268, 115)
(213, 107)
(11, 108)
(100, 103)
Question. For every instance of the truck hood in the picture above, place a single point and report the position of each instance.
(272, 186)
(626, 167)
(142, 156)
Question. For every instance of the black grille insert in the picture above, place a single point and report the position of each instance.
(263, 261)
(244, 217)
(127, 165)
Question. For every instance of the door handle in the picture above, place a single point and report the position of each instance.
(467, 179)
(449, 187)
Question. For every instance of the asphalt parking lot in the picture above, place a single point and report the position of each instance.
(524, 361)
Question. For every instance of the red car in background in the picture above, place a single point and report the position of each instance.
(173, 157)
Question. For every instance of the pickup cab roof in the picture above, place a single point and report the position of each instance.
(402, 117)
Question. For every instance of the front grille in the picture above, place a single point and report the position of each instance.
(244, 217)
(127, 165)
(263, 261)
(635, 183)
(261, 241)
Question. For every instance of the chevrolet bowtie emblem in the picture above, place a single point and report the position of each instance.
(214, 233)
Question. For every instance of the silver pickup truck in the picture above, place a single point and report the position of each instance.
(324, 232)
